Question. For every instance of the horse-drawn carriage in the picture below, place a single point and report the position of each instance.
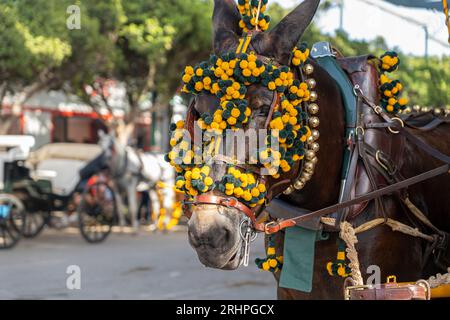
(59, 177)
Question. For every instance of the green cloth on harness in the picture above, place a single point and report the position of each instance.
(298, 258)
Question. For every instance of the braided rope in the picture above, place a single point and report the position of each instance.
(394, 224)
(439, 279)
(347, 234)
(419, 214)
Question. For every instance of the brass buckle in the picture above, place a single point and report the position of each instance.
(391, 279)
(378, 109)
(360, 128)
(401, 124)
(377, 157)
(266, 226)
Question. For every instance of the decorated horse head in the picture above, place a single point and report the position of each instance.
(246, 95)
(252, 135)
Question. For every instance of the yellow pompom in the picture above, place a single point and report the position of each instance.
(255, 192)
(252, 57)
(189, 70)
(180, 183)
(195, 175)
(246, 72)
(199, 72)
(186, 78)
(238, 191)
(341, 270)
(266, 266)
(329, 268)
(231, 121)
(270, 251)
(208, 181)
(261, 187)
(247, 196)
(235, 112)
(273, 263)
(243, 64)
(207, 80)
(236, 174)
(198, 86)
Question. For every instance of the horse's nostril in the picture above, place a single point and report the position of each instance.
(213, 238)
(220, 237)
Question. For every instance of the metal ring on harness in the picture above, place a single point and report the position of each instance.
(377, 157)
(425, 284)
(361, 129)
(401, 124)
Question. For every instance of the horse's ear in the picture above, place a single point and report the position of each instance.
(226, 19)
(281, 40)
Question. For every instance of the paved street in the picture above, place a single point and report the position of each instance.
(143, 266)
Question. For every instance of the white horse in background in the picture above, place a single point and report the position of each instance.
(131, 168)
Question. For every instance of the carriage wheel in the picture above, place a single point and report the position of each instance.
(97, 212)
(34, 223)
(12, 215)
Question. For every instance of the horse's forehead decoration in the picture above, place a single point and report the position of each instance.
(228, 76)
(252, 13)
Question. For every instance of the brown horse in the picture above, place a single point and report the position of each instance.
(214, 230)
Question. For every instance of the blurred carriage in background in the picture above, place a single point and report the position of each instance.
(68, 179)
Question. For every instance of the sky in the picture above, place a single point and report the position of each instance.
(363, 21)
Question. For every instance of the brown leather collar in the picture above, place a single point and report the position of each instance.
(231, 203)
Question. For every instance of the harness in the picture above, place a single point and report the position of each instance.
(232, 202)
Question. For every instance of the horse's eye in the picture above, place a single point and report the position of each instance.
(264, 110)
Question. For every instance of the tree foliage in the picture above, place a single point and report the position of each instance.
(145, 45)
(426, 81)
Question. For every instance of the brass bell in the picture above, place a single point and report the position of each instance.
(315, 134)
(314, 122)
(407, 110)
(437, 111)
(425, 109)
(310, 139)
(313, 108)
(311, 83)
(299, 185)
(310, 154)
(315, 147)
(314, 160)
(308, 69)
(309, 166)
(313, 96)
(289, 190)
(416, 108)
(306, 176)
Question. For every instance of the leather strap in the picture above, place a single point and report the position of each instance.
(273, 227)
(394, 291)
(231, 203)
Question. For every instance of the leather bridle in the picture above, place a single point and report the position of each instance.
(231, 202)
